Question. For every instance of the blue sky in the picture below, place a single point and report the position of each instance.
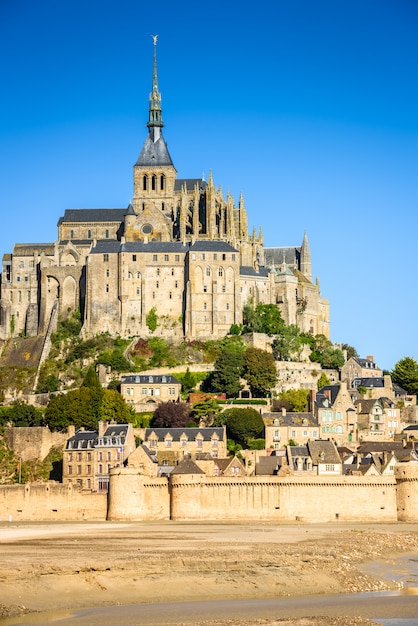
(310, 108)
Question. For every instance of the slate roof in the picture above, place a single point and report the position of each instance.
(154, 246)
(366, 363)
(81, 439)
(154, 153)
(326, 448)
(376, 382)
(187, 466)
(207, 245)
(289, 254)
(333, 389)
(190, 183)
(27, 249)
(380, 446)
(92, 215)
(248, 270)
(268, 465)
(141, 379)
(116, 430)
(290, 419)
(176, 433)
(76, 242)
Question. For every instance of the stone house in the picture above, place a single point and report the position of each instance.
(318, 458)
(378, 419)
(336, 414)
(356, 367)
(88, 456)
(172, 445)
(280, 428)
(147, 392)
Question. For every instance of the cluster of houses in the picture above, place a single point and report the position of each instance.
(359, 426)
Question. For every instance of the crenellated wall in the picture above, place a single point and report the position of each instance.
(50, 502)
(133, 496)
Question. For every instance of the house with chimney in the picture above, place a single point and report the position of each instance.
(286, 427)
(356, 367)
(336, 414)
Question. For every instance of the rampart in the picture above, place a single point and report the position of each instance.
(33, 442)
(45, 502)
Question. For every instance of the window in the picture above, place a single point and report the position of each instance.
(171, 391)
(329, 467)
(153, 295)
(100, 456)
(220, 272)
(170, 295)
(150, 391)
(88, 469)
(70, 469)
(233, 257)
(145, 182)
(138, 274)
(106, 258)
(223, 288)
(168, 443)
(162, 184)
(134, 257)
(157, 391)
(227, 306)
(205, 306)
(172, 271)
(107, 273)
(154, 182)
(78, 456)
(138, 291)
(70, 457)
(199, 443)
(215, 257)
(157, 284)
(109, 455)
(155, 257)
(71, 234)
(176, 284)
(144, 391)
(208, 271)
(89, 234)
(88, 456)
(107, 288)
(166, 257)
(183, 443)
(107, 234)
(224, 257)
(203, 256)
(205, 288)
(177, 257)
(78, 469)
(158, 271)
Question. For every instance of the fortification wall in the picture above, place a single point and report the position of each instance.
(317, 499)
(133, 496)
(406, 475)
(34, 442)
(50, 502)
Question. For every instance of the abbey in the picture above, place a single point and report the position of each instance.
(180, 250)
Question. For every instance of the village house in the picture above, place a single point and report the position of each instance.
(355, 367)
(89, 455)
(282, 428)
(146, 392)
(378, 419)
(172, 445)
(319, 458)
(336, 414)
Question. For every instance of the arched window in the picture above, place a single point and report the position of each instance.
(145, 182)
(208, 271)
(89, 234)
(154, 182)
(220, 272)
(162, 182)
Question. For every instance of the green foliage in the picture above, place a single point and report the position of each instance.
(50, 384)
(67, 328)
(190, 380)
(143, 420)
(294, 399)
(8, 465)
(50, 468)
(115, 360)
(91, 380)
(256, 444)
(264, 318)
(236, 329)
(205, 411)
(288, 344)
(151, 319)
(113, 408)
(351, 352)
(323, 352)
(171, 415)
(12, 325)
(292, 442)
(260, 371)
(323, 380)
(233, 448)
(362, 390)
(161, 353)
(21, 414)
(242, 425)
(254, 401)
(405, 374)
(229, 367)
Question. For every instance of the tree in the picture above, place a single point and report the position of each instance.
(323, 352)
(188, 382)
(242, 425)
(228, 368)
(294, 399)
(260, 371)
(113, 408)
(264, 318)
(322, 381)
(288, 344)
(171, 415)
(151, 319)
(205, 412)
(350, 351)
(22, 414)
(78, 407)
(405, 374)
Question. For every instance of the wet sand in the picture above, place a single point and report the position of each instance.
(72, 567)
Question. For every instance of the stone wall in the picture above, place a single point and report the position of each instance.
(50, 502)
(133, 496)
(33, 442)
(406, 475)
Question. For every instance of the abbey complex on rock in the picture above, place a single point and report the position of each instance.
(180, 248)
(182, 251)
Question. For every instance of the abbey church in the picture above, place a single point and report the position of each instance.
(180, 251)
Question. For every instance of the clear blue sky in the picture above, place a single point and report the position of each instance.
(310, 108)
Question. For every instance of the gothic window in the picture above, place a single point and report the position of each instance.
(145, 182)
(137, 291)
(176, 284)
(154, 182)
(220, 272)
(162, 182)
(129, 275)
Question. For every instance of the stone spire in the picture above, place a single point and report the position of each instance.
(154, 151)
(305, 258)
(155, 118)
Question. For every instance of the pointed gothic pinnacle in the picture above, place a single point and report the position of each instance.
(241, 201)
(210, 181)
(155, 112)
(260, 235)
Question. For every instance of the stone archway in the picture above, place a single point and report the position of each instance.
(68, 296)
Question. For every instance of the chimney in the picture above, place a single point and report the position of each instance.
(327, 394)
(370, 358)
(312, 398)
(283, 412)
(102, 428)
(71, 430)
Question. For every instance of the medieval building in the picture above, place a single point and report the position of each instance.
(180, 250)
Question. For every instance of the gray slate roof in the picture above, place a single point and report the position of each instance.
(141, 379)
(92, 215)
(190, 183)
(154, 153)
(176, 433)
(187, 466)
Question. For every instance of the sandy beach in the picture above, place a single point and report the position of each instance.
(67, 566)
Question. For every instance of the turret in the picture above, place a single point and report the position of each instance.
(305, 258)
